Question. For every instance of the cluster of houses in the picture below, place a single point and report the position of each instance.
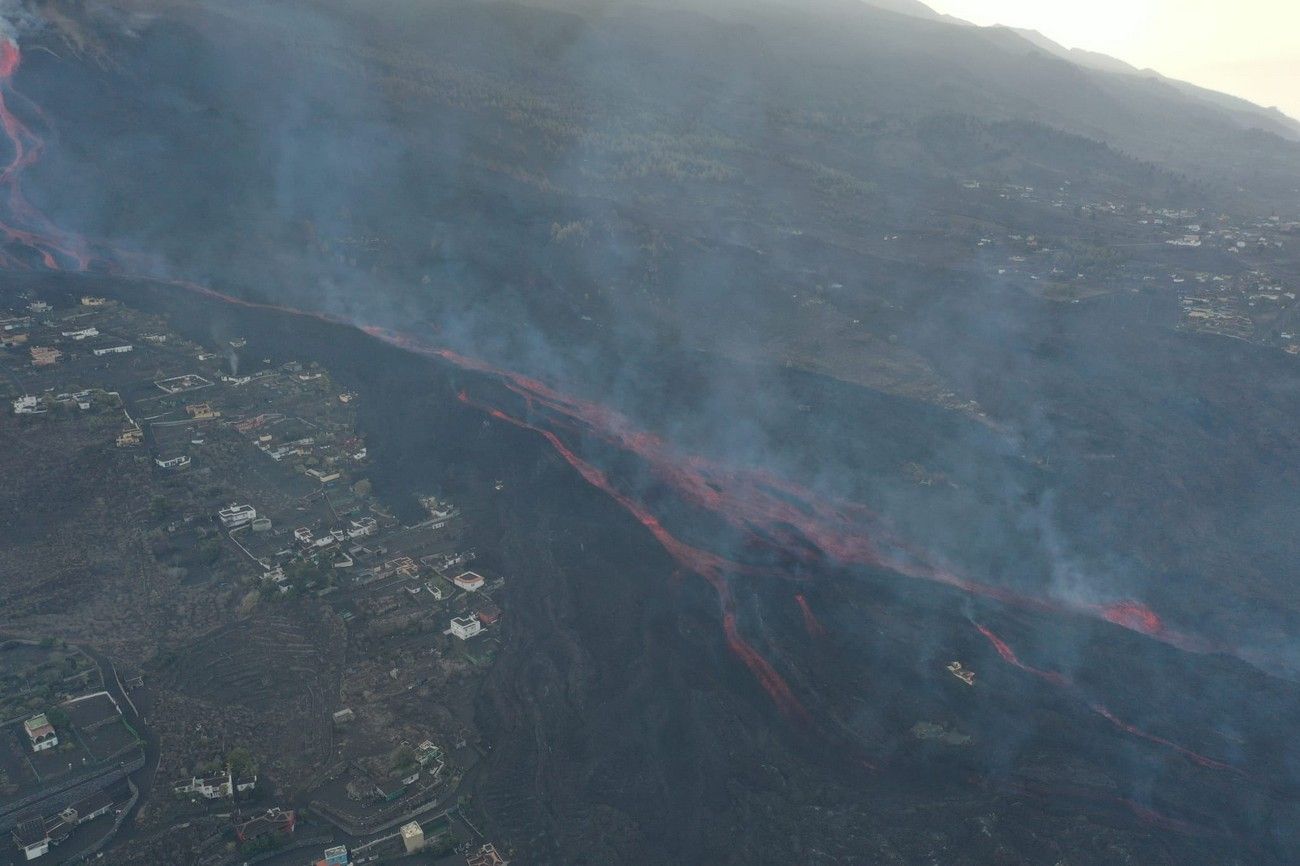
(306, 543)
(32, 405)
(35, 836)
(486, 614)
(219, 786)
(355, 531)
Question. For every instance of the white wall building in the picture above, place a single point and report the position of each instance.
(212, 788)
(28, 406)
(32, 837)
(412, 837)
(235, 516)
(465, 627)
(362, 528)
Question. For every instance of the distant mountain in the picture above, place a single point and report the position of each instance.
(1247, 113)
(915, 8)
(1090, 59)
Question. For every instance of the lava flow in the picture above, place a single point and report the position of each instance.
(1145, 814)
(808, 528)
(810, 622)
(710, 566)
(1132, 615)
(1060, 680)
(806, 524)
(27, 227)
(1009, 656)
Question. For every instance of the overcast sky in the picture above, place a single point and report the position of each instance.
(1250, 48)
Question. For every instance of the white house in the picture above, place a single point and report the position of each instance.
(212, 788)
(114, 350)
(235, 516)
(41, 733)
(28, 406)
(32, 837)
(362, 528)
(336, 856)
(465, 627)
(430, 758)
(412, 837)
(172, 462)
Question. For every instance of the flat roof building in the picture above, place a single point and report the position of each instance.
(470, 581)
(465, 627)
(236, 515)
(412, 837)
(32, 839)
(336, 856)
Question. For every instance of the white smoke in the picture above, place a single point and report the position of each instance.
(17, 19)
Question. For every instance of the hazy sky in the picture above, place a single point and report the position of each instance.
(1249, 48)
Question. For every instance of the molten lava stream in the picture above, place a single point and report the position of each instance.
(776, 512)
(24, 224)
(1061, 681)
(814, 527)
(712, 567)
(810, 622)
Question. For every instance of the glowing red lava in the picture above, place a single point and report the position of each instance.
(1008, 655)
(771, 510)
(810, 621)
(710, 566)
(26, 226)
(1133, 615)
(1061, 681)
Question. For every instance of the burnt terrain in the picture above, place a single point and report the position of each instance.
(887, 429)
(621, 725)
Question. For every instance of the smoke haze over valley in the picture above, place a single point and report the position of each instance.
(884, 426)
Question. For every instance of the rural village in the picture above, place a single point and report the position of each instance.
(313, 698)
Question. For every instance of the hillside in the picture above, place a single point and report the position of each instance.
(689, 143)
(795, 360)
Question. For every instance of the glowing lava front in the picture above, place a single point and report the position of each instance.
(1135, 616)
